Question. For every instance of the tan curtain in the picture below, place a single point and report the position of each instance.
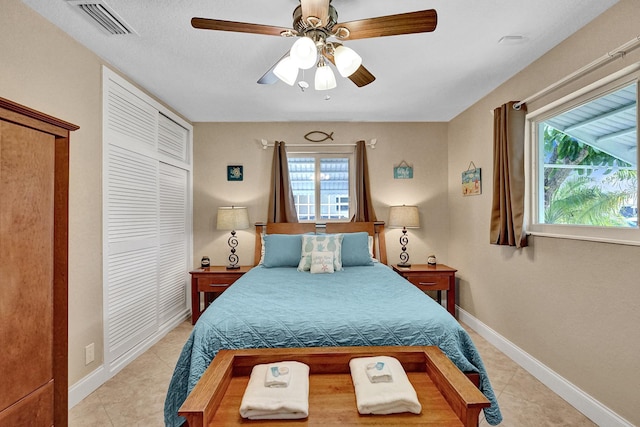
(282, 207)
(507, 213)
(364, 205)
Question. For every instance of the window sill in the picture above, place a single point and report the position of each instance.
(629, 237)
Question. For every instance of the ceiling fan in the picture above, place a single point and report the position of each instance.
(315, 23)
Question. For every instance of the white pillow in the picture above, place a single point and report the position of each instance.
(321, 262)
(321, 243)
(371, 249)
(261, 249)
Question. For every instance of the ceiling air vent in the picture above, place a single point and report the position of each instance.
(100, 13)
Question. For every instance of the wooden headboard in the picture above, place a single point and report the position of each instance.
(375, 229)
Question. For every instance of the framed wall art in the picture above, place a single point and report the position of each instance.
(235, 173)
(403, 171)
(471, 181)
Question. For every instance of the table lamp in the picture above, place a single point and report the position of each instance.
(232, 218)
(405, 217)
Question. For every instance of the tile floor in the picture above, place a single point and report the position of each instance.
(135, 396)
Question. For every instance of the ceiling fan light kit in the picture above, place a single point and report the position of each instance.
(325, 79)
(304, 53)
(287, 71)
(315, 21)
(347, 61)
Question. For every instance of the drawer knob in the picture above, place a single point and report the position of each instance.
(428, 283)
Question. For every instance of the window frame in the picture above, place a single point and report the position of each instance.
(350, 155)
(618, 235)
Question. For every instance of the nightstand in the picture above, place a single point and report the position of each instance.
(432, 278)
(211, 280)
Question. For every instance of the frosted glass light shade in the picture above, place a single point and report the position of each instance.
(325, 79)
(404, 216)
(232, 218)
(304, 53)
(347, 61)
(287, 71)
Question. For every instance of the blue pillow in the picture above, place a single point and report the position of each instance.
(282, 250)
(355, 249)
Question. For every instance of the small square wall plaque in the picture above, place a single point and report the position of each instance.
(235, 173)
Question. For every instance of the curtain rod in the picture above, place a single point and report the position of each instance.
(371, 144)
(619, 52)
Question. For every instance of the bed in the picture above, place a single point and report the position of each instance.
(362, 303)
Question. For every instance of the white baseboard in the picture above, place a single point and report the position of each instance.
(87, 385)
(583, 402)
(91, 382)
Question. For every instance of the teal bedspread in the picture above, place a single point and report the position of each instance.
(359, 306)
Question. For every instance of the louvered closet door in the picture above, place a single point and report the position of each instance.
(172, 139)
(147, 220)
(130, 122)
(173, 250)
(132, 227)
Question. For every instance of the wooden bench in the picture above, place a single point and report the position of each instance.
(447, 396)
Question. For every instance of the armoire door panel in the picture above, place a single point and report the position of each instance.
(27, 167)
(34, 410)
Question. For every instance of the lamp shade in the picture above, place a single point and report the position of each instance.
(287, 71)
(404, 216)
(304, 53)
(347, 61)
(232, 218)
(325, 79)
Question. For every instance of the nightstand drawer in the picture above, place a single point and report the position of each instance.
(210, 281)
(205, 285)
(435, 282)
(432, 278)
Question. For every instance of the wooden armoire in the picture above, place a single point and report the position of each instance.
(34, 194)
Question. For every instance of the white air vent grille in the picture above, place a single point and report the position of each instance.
(100, 13)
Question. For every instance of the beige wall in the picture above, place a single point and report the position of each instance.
(45, 69)
(573, 305)
(48, 71)
(217, 145)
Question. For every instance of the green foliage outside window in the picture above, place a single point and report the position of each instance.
(584, 185)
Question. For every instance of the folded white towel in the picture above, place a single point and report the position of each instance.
(383, 397)
(271, 403)
(277, 376)
(379, 372)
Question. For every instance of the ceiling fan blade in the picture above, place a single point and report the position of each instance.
(269, 78)
(238, 27)
(315, 8)
(361, 77)
(423, 21)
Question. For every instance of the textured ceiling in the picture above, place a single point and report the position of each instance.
(211, 75)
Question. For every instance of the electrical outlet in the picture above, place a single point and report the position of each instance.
(89, 354)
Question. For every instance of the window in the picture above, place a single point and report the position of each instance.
(321, 185)
(584, 164)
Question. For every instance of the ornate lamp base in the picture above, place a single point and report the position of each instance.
(233, 258)
(404, 255)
